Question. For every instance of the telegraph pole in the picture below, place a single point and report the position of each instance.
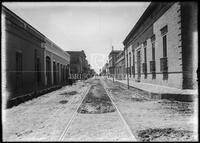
(113, 62)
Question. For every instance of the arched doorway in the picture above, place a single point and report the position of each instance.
(48, 70)
(67, 73)
(58, 73)
(54, 73)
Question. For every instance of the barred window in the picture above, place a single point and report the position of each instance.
(144, 66)
(145, 60)
(165, 75)
(152, 66)
(163, 61)
(163, 64)
(153, 69)
(164, 67)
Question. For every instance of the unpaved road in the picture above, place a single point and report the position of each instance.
(49, 117)
(97, 119)
(43, 118)
(132, 114)
(155, 120)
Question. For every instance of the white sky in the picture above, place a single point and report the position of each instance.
(89, 26)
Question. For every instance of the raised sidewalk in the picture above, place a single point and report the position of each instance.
(162, 92)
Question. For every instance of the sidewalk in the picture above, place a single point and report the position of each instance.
(158, 91)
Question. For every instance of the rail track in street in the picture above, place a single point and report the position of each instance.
(99, 109)
(122, 118)
(74, 114)
(97, 118)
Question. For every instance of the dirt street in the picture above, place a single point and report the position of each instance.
(85, 112)
(155, 120)
(43, 118)
(97, 119)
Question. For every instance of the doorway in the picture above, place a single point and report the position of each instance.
(138, 66)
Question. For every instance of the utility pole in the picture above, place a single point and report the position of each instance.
(113, 62)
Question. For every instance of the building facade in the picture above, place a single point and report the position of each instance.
(120, 66)
(29, 57)
(56, 64)
(112, 58)
(79, 66)
(162, 46)
(104, 71)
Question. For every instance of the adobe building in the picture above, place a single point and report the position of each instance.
(23, 55)
(56, 64)
(28, 56)
(162, 46)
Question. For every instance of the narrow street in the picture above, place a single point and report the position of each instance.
(85, 112)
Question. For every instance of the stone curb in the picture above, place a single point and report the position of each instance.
(169, 96)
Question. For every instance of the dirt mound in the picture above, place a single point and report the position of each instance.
(91, 108)
(138, 99)
(176, 106)
(96, 101)
(63, 101)
(157, 134)
(69, 93)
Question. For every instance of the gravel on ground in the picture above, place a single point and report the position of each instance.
(97, 119)
(155, 120)
(42, 118)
